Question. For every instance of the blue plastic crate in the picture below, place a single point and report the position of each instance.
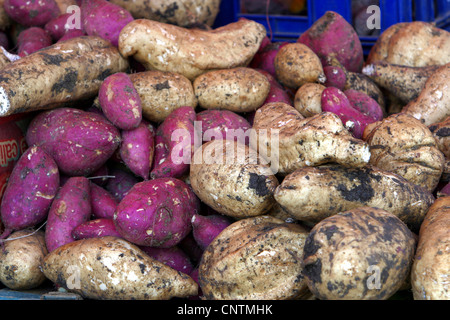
(289, 27)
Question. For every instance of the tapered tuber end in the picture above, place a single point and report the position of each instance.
(5, 105)
(206, 228)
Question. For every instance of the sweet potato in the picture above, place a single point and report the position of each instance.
(364, 104)
(31, 13)
(103, 203)
(73, 70)
(335, 77)
(175, 143)
(264, 59)
(31, 188)
(222, 124)
(134, 275)
(331, 34)
(404, 82)
(137, 149)
(441, 132)
(191, 52)
(433, 103)
(21, 257)
(173, 257)
(191, 248)
(120, 102)
(308, 99)
(277, 92)
(162, 92)
(121, 182)
(57, 27)
(74, 33)
(79, 141)
(335, 101)
(315, 193)
(5, 19)
(70, 208)
(430, 269)
(105, 19)
(156, 212)
(95, 228)
(296, 64)
(31, 40)
(178, 12)
(206, 228)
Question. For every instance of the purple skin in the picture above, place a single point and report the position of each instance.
(219, 123)
(70, 208)
(95, 228)
(166, 148)
(31, 13)
(173, 257)
(58, 131)
(206, 228)
(365, 104)
(335, 76)
(72, 34)
(335, 101)
(137, 149)
(191, 247)
(156, 212)
(57, 26)
(120, 183)
(266, 56)
(104, 19)
(31, 40)
(31, 188)
(120, 101)
(103, 203)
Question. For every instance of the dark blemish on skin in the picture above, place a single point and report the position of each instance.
(258, 183)
(52, 59)
(162, 85)
(67, 82)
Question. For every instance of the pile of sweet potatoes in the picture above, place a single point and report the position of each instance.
(180, 161)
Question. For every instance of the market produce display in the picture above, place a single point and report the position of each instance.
(147, 155)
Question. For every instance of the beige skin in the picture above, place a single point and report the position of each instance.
(430, 270)
(162, 92)
(183, 13)
(62, 73)
(359, 254)
(312, 194)
(21, 259)
(304, 142)
(433, 103)
(296, 64)
(403, 145)
(239, 89)
(232, 179)
(403, 82)
(110, 268)
(191, 52)
(440, 131)
(256, 258)
(308, 99)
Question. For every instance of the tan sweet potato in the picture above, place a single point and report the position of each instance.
(433, 103)
(69, 71)
(431, 266)
(191, 52)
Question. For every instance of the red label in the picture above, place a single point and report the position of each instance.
(9, 151)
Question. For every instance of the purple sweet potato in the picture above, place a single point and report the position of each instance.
(364, 103)
(137, 149)
(335, 101)
(100, 176)
(70, 208)
(31, 40)
(31, 188)
(175, 142)
(120, 102)
(79, 141)
(206, 228)
(223, 124)
(57, 27)
(156, 212)
(95, 228)
(103, 203)
(277, 92)
(191, 247)
(105, 19)
(335, 77)
(120, 183)
(173, 257)
(72, 34)
(31, 13)
(331, 34)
